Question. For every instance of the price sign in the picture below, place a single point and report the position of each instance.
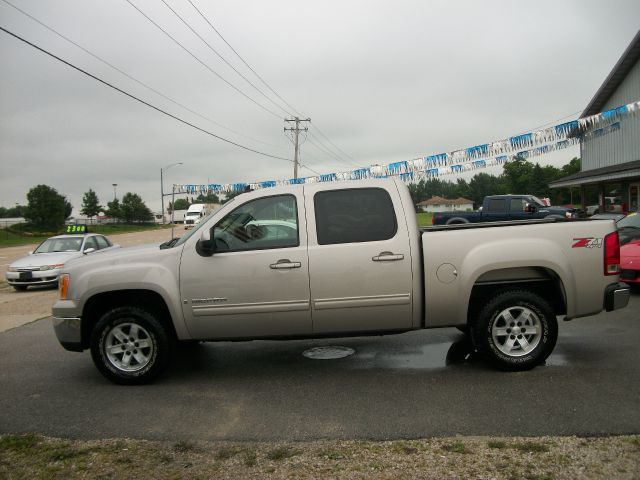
(77, 229)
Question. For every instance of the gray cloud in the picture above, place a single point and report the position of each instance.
(386, 81)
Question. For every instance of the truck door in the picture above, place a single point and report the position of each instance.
(359, 259)
(257, 281)
(495, 210)
(517, 206)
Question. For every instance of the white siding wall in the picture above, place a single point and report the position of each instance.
(622, 145)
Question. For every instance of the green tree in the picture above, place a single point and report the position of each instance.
(483, 184)
(462, 188)
(538, 186)
(133, 209)
(181, 204)
(114, 209)
(46, 208)
(572, 167)
(232, 194)
(208, 198)
(518, 174)
(12, 212)
(90, 205)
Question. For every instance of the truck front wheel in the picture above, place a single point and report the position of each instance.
(516, 330)
(130, 346)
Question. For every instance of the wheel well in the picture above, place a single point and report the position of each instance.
(540, 280)
(101, 303)
(457, 221)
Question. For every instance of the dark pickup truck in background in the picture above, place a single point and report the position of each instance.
(496, 208)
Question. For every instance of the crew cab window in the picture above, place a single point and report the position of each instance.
(497, 205)
(270, 222)
(354, 215)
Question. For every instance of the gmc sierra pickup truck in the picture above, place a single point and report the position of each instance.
(334, 260)
(497, 208)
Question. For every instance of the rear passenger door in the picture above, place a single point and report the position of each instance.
(359, 260)
(496, 210)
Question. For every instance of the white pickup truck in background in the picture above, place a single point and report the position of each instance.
(337, 259)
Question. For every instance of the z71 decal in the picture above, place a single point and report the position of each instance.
(588, 242)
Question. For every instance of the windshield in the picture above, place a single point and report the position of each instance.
(193, 214)
(537, 201)
(64, 244)
(632, 220)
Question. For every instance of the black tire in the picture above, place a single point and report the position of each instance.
(500, 330)
(139, 361)
(20, 288)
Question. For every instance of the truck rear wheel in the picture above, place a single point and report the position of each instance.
(129, 346)
(516, 330)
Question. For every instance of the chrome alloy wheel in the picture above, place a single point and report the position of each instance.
(516, 331)
(129, 347)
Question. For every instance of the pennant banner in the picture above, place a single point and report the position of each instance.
(526, 145)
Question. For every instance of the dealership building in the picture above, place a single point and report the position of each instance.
(610, 150)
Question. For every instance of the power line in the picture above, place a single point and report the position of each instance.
(337, 149)
(340, 159)
(324, 150)
(242, 59)
(221, 57)
(266, 109)
(204, 117)
(140, 100)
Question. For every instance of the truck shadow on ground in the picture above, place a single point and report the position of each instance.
(277, 357)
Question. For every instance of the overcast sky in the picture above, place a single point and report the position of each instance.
(385, 81)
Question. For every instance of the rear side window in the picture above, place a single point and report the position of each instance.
(497, 205)
(102, 242)
(354, 215)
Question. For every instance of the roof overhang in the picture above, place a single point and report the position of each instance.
(599, 175)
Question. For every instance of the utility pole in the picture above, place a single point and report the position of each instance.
(296, 144)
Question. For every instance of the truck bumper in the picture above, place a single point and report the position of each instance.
(69, 333)
(67, 325)
(616, 296)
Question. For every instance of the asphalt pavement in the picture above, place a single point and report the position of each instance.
(418, 384)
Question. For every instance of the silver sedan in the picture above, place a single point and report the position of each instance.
(42, 266)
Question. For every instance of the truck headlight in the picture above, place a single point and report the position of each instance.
(12, 269)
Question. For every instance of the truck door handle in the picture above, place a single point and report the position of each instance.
(285, 263)
(388, 257)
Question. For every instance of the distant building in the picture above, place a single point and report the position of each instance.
(439, 204)
(610, 150)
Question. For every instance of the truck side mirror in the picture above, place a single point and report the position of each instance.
(206, 245)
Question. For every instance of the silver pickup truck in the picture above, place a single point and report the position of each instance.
(332, 260)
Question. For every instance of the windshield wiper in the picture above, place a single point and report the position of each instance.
(169, 243)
